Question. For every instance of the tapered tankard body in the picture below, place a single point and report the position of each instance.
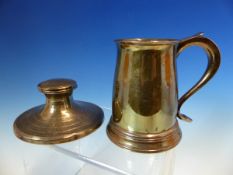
(145, 96)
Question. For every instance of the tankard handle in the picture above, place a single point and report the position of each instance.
(213, 54)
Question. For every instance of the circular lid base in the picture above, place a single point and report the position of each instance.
(58, 126)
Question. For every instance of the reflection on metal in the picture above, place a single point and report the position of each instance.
(145, 98)
(61, 119)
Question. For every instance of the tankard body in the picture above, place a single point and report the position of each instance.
(145, 96)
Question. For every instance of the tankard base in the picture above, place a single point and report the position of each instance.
(144, 142)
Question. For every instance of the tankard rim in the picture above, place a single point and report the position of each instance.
(146, 41)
